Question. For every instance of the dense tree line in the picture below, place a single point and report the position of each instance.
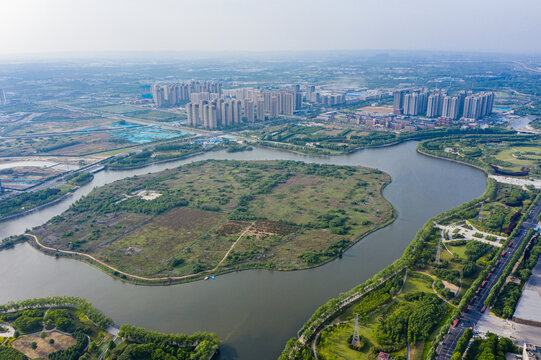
(161, 152)
(508, 298)
(300, 136)
(29, 200)
(337, 248)
(462, 344)
(295, 350)
(410, 322)
(59, 301)
(53, 147)
(75, 351)
(144, 344)
(80, 178)
(497, 287)
(470, 293)
(491, 348)
(11, 354)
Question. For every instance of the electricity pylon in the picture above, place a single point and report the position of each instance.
(355, 340)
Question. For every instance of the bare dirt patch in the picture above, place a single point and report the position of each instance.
(148, 194)
(232, 227)
(274, 227)
(43, 350)
(387, 109)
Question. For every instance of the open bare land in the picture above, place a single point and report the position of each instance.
(44, 347)
(216, 216)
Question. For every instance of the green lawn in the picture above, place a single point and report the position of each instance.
(507, 155)
(333, 344)
(457, 250)
(417, 282)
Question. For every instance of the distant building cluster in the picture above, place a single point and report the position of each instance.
(464, 105)
(229, 107)
(176, 94)
(215, 113)
(378, 121)
(321, 98)
(3, 100)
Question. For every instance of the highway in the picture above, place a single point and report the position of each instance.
(471, 316)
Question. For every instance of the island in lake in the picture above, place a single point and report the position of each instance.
(212, 217)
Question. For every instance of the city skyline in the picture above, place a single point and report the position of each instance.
(242, 25)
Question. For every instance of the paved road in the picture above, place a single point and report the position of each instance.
(508, 328)
(472, 315)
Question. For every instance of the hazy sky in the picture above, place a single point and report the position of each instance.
(37, 26)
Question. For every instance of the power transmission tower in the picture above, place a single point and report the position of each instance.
(438, 250)
(481, 213)
(355, 340)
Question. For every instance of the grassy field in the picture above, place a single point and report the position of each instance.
(460, 251)
(498, 154)
(65, 145)
(417, 282)
(279, 215)
(60, 125)
(334, 344)
(521, 155)
(141, 113)
(85, 143)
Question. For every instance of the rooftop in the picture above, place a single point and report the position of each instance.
(530, 301)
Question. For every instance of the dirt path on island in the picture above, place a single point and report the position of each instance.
(167, 278)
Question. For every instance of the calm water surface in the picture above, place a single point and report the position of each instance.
(253, 312)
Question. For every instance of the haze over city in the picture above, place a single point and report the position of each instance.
(66, 26)
(270, 179)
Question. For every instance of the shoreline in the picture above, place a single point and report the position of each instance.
(135, 167)
(47, 204)
(164, 281)
(453, 160)
(174, 280)
(39, 207)
(300, 336)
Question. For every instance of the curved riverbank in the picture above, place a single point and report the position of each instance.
(172, 280)
(453, 160)
(37, 208)
(120, 168)
(326, 313)
(257, 302)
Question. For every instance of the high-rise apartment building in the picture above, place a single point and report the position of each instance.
(435, 104)
(398, 101)
(415, 103)
(273, 107)
(260, 109)
(3, 100)
(249, 111)
(237, 112)
(175, 94)
(478, 105)
(451, 107)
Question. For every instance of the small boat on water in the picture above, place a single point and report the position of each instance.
(206, 277)
(212, 277)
